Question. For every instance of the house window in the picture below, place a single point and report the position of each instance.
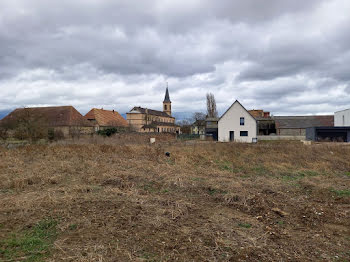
(241, 121)
(165, 107)
(244, 133)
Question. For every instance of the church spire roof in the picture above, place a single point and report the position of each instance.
(167, 97)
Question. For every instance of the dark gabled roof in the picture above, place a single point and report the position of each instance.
(167, 97)
(150, 111)
(303, 121)
(106, 117)
(50, 116)
(241, 106)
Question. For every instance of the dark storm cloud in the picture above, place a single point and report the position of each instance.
(121, 53)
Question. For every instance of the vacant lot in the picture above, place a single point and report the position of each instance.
(206, 202)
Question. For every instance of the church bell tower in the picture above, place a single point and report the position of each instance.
(167, 103)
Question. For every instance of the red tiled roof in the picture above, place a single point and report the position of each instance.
(50, 116)
(106, 117)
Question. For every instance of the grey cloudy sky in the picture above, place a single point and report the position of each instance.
(286, 56)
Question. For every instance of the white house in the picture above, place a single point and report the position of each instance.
(342, 118)
(237, 124)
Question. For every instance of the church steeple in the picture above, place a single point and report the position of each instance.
(167, 102)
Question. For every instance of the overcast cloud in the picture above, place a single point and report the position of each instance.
(285, 56)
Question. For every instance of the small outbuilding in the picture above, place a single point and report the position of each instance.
(296, 125)
(237, 124)
(328, 133)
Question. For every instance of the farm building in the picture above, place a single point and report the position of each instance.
(237, 124)
(266, 125)
(102, 119)
(65, 120)
(296, 125)
(328, 133)
(342, 118)
(149, 120)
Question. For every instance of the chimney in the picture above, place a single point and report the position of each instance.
(266, 114)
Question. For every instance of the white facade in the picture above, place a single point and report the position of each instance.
(236, 124)
(342, 118)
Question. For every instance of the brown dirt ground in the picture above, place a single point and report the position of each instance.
(206, 202)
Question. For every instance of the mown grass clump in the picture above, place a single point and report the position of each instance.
(32, 245)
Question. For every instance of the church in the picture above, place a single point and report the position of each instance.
(153, 121)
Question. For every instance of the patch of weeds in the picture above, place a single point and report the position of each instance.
(149, 257)
(260, 170)
(150, 187)
(292, 176)
(289, 177)
(73, 227)
(308, 173)
(212, 191)
(347, 174)
(281, 222)
(245, 225)
(171, 161)
(165, 191)
(197, 179)
(341, 193)
(32, 245)
(227, 166)
(6, 191)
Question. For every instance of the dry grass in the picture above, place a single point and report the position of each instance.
(206, 202)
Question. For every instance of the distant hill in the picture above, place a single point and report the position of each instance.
(182, 115)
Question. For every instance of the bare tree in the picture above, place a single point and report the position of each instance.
(185, 125)
(198, 116)
(211, 105)
(28, 124)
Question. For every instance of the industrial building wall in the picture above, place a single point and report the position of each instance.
(342, 118)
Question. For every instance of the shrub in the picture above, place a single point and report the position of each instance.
(107, 132)
(54, 135)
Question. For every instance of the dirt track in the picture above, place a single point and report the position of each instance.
(208, 202)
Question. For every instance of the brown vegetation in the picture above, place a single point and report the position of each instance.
(206, 202)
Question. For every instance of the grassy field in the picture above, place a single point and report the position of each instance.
(206, 202)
